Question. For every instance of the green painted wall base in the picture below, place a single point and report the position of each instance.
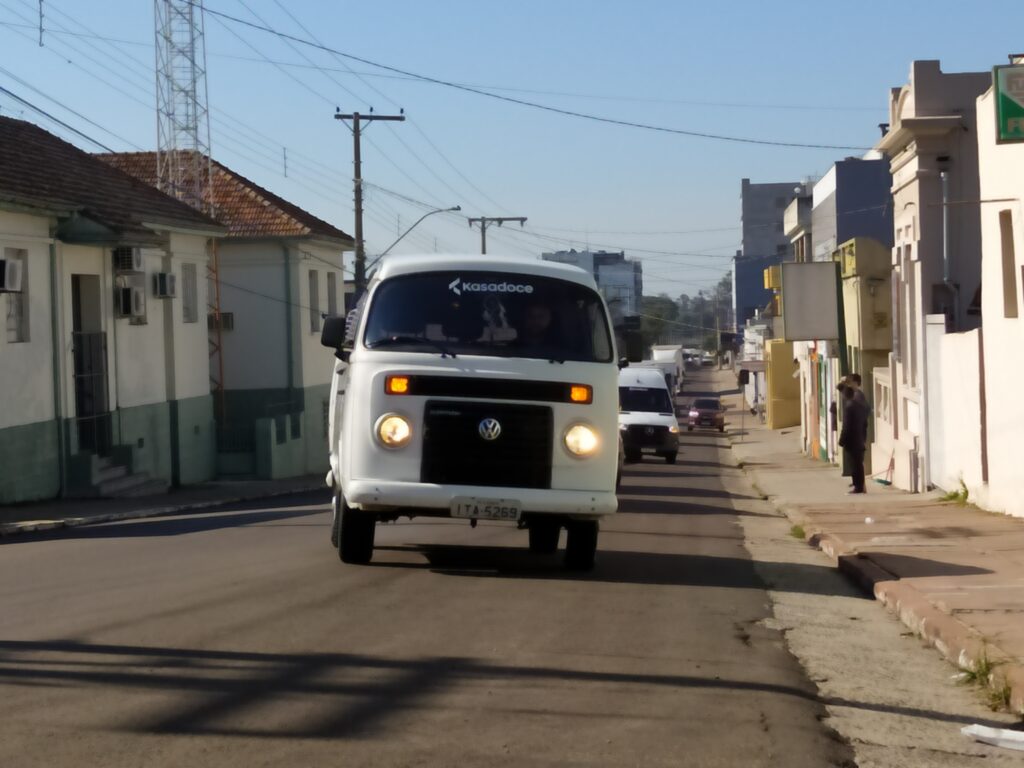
(288, 433)
(193, 435)
(29, 462)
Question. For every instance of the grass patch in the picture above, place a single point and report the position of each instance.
(999, 697)
(980, 673)
(959, 496)
(797, 532)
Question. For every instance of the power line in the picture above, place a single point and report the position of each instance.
(57, 120)
(523, 102)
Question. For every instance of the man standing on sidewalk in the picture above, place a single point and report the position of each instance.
(853, 438)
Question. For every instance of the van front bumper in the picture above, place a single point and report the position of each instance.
(387, 496)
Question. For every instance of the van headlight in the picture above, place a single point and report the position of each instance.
(581, 440)
(393, 431)
(674, 429)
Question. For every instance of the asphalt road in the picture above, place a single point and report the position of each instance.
(238, 638)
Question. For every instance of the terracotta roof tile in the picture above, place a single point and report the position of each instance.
(41, 170)
(246, 208)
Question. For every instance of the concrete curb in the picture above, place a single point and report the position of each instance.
(958, 643)
(38, 526)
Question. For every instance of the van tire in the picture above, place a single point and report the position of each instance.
(670, 458)
(581, 545)
(634, 456)
(335, 518)
(356, 533)
(544, 536)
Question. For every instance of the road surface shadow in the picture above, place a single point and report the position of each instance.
(344, 695)
(629, 506)
(617, 567)
(177, 525)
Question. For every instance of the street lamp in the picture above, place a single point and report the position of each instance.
(410, 229)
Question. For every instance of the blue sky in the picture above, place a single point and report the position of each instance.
(803, 72)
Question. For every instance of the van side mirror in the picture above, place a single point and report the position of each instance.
(333, 333)
(623, 363)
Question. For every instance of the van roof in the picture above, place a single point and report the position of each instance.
(641, 376)
(392, 266)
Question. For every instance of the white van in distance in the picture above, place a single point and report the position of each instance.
(479, 388)
(647, 414)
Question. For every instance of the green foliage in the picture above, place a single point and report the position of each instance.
(659, 314)
(797, 532)
(959, 496)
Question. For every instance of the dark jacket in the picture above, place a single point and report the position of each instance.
(853, 437)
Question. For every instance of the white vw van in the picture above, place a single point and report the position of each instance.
(475, 387)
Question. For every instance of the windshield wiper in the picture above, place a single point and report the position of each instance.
(388, 341)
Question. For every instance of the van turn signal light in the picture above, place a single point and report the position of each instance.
(396, 385)
(581, 393)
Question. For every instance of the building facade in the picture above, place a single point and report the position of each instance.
(281, 270)
(932, 147)
(620, 280)
(104, 378)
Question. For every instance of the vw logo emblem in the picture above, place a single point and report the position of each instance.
(650, 430)
(489, 429)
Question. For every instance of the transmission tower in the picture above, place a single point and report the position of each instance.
(183, 166)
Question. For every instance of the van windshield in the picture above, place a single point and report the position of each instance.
(645, 399)
(489, 313)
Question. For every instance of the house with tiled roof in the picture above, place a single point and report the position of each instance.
(104, 386)
(281, 270)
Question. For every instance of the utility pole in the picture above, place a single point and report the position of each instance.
(357, 181)
(486, 221)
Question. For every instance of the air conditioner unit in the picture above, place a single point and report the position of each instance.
(138, 302)
(165, 285)
(129, 301)
(10, 275)
(227, 321)
(122, 301)
(127, 259)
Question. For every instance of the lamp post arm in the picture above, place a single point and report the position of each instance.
(410, 229)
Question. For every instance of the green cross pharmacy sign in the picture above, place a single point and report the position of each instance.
(1009, 88)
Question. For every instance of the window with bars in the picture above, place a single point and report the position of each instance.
(332, 294)
(17, 303)
(314, 301)
(189, 294)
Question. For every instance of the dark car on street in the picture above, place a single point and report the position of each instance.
(706, 412)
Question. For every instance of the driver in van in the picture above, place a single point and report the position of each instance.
(536, 328)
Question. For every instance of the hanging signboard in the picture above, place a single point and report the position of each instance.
(810, 303)
(1008, 83)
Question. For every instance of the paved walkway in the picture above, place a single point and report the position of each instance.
(953, 573)
(48, 515)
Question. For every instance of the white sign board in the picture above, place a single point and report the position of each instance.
(810, 307)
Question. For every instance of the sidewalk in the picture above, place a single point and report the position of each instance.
(61, 513)
(954, 574)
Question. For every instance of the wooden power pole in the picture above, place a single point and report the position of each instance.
(486, 221)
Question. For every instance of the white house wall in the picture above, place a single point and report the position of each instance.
(253, 288)
(190, 370)
(26, 368)
(1002, 178)
(138, 349)
(317, 362)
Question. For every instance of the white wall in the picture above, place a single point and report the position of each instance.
(316, 362)
(253, 288)
(189, 374)
(26, 368)
(1002, 176)
(137, 350)
(954, 408)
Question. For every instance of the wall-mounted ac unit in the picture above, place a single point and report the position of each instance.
(10, 275)
(129, 301)
(165, 285)
(127, 259)
(227, 321)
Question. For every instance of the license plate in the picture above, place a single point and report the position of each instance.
(485, 509)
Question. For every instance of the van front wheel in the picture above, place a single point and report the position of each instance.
(355, 539)
(580, 545)
(544, 536)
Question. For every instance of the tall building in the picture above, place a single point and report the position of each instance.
(764, 243)
(620, 280)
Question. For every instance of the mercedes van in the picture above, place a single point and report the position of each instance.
(476, 388)
(647, 414)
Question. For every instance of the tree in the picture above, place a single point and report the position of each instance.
(659, 313)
